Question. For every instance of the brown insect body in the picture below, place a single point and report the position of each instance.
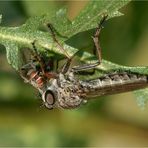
(70, 92)
(114, 83)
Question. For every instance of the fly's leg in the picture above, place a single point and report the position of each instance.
(52, 31)
(24, 70)
(96, 38)
(97, 49)
(42, 64)
(38, 58)
(67, 64)
(31, 66)
(22, 74)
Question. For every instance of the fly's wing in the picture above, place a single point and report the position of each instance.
(142, 97)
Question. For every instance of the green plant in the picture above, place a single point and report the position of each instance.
(15, 38)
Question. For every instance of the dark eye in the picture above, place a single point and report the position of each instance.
(49, 99)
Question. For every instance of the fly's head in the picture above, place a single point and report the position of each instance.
(49, 99)
(49, 94)
(63, 92)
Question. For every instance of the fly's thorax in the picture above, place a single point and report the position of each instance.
(65, 91)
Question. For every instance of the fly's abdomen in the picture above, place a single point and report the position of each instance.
(114, 83)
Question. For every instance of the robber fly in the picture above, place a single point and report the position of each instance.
(39, 70)
(64, 90)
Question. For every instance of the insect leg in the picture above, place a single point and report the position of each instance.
(67, 64)
(23, 70)
(52, 31)
(22, 74)
(97, 49)
(96, 39)
(39, 59)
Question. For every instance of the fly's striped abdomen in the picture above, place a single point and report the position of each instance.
(114, 83)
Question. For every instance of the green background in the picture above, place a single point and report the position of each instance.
(108, 121)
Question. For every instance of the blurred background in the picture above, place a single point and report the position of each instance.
(108, 121)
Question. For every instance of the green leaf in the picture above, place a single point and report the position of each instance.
(12, 56)
(142, 97)
(61, 23)
(15, 38)
(35, 22)
(33, 8)
(0, 18)
(88, 17)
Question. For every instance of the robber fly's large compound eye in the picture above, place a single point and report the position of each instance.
(49, 99)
